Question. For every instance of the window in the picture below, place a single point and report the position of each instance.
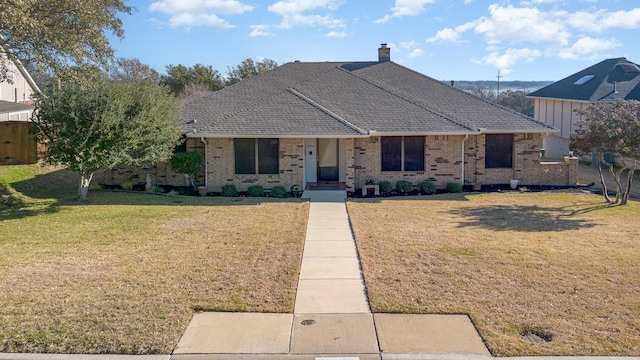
(260, 154)
(498, 151)
(402, 153)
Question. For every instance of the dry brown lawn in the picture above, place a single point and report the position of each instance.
(125, 272)
(562, 265)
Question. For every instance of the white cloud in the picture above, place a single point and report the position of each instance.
(522, 25)
(297, 13)
(406, 8)
(290, 21)
(409, 44)
(602, 20)
(510, 57)
(446, 36)
(416, 53)
(292, 7)
(189, 13)
(336, 34)
(259, 30)
(589, 47)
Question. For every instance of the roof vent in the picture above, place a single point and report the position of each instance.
(583, 80)
(630, 68)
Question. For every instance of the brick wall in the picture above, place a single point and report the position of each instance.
(527, 167)
(443, 163)
(221, 170)
(161, 173)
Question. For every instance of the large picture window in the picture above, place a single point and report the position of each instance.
(256, 154)
(402, 153)
(498, 151)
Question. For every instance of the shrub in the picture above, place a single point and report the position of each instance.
(127, 185)
(385, 187)
(427, 187)
(404, 186)
(229, 190)
(187, 163)
(454, 187)
(255, 190)
(278, 191)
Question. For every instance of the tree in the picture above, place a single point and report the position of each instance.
(248, 69)
(484, 93)
(180, 77)
(130, 70)
(65, 37)
(612, 127)
(103, 124)
(188, 164)
(515, 100)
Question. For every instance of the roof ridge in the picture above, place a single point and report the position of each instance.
(440, 113)
(326, 111)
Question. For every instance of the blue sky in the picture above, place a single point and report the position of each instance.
(444, 39)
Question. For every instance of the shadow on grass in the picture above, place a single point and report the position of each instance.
(45, 193)
(525, 218)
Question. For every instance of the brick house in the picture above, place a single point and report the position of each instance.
(347, 122)
(555, 104)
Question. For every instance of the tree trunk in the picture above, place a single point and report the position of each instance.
(627, 191)
(605, 192)
(83, 189)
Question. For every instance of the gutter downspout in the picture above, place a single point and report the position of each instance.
(462, 176)
(206, 167)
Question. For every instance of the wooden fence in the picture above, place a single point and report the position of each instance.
(17, 145)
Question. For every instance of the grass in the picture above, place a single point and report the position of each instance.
(125, 272)
(564, 266)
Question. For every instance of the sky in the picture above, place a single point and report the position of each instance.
(444, 39)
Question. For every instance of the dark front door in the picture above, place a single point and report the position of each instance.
(327, 159)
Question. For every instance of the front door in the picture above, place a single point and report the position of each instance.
(327, 160)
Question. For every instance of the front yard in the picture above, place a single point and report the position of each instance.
(560, 267)
(125, 272)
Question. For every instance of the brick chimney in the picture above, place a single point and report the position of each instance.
(384, 53)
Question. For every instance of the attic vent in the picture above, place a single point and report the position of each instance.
(583, 80)
(630, 67)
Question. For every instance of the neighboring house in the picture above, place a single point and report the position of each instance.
(17, 145)
(348, 122)
(555, 104)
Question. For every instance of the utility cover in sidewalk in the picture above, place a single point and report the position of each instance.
(333, 334)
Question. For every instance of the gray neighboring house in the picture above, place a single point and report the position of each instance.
(606, 81)
(346, 123)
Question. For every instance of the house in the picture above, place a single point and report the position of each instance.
(555, 104)
(345, 123)
(17, 146)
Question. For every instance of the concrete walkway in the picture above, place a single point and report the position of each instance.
(330, 278)
(332, 318)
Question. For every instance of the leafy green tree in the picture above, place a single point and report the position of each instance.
(248, 69)
(179, 78)
(612, 127)
(188, 164)
(103, 124)
(65, 37)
